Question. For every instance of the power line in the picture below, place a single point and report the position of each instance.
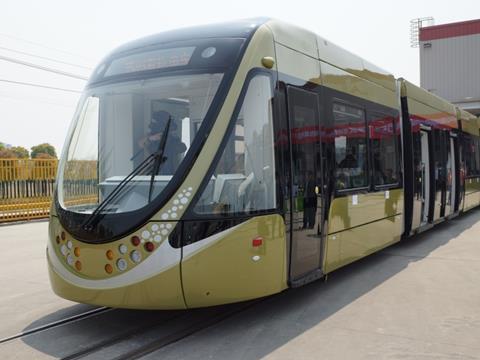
(45, 68)
(39, 85)
(44, 46)
(45, 58)
(35, 99)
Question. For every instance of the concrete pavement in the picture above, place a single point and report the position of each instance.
(25, 294)
(416, 300)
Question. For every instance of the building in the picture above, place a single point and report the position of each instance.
(450, 62)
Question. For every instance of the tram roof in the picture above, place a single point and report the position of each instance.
(470, 122)
(234, 29)
(317, 47)
(289, 35)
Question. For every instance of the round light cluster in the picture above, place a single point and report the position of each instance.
(147, 237)
(180, 201)
(127, 254)
(157, 233)
(70, 253)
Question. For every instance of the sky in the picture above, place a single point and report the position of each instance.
(75, 35)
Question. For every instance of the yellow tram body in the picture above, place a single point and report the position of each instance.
(267, 251)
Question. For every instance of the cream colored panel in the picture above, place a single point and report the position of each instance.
(377, 75)
(469, 122)
(425, 97)
(361, 241)
(337, 56)
(343, 81)
(345, 60)
(296, 64)
(227, 268)
(294, 37)
(358, 209)
(416, 108)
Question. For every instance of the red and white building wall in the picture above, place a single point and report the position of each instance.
(450, 62)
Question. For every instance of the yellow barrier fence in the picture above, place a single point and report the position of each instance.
(26, 188)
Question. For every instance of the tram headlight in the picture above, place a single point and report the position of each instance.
(108, 268)
(135, 240)
(122, 248)
(122, 264)
(136, 256)
(109, 254)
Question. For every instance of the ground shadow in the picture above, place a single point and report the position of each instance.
(303, 307)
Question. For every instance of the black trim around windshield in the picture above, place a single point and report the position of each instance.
(115, 226)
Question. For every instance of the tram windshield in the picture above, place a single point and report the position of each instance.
(129, 138)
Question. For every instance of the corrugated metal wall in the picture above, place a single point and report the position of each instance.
(450, 67)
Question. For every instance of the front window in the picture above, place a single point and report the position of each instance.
(129, 139)
(244, 177)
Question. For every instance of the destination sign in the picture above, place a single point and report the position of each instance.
(151, 60)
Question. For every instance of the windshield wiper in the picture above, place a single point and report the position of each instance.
(159, 157)
(92, 220)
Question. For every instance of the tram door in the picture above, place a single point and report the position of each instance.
(306, 187)
(451, 176)
(425, 176)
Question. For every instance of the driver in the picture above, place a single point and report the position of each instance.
(174, 147)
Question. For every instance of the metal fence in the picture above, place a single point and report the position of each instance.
(26, 188)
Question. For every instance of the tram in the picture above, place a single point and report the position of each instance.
(222, 163)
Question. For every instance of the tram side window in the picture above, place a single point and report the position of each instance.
(472, 155)
(350, 147)
(244, 177)
(382, 133)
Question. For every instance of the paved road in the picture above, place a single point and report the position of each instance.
(416, 300)
(25, 294)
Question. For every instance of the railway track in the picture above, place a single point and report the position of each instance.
(75, 336)
(67, 320)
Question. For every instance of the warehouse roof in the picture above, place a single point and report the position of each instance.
(444, 31)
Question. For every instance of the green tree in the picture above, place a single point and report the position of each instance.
(7, 154)
(44, 156)
(44, 148)
(20, 151)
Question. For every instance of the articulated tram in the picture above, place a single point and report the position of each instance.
(222, 163)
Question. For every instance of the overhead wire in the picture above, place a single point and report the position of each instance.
(35, 99)
(39, 85)
(45, 46)
(45, 68)
(45, 58)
